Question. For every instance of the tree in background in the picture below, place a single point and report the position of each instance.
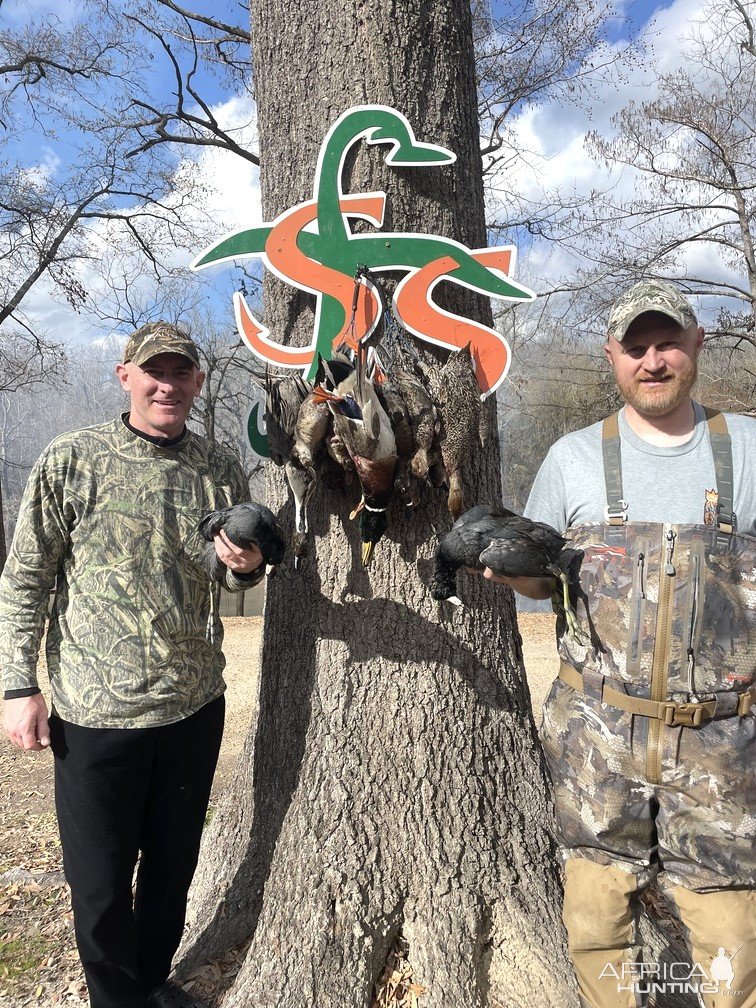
(391, 799)
(112, 181)
(693, 215)
(527, 53)
(691, 152)
(86, 392)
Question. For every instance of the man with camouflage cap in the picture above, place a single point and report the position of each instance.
(109, 522)
(649, 730)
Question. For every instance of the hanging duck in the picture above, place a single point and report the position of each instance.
(283, 397)
(330, 374)
(310, 433)
(422, 416)
(406, 484)
(458, 398)
(365, 430)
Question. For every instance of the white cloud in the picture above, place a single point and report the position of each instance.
(230, 199)
(40, 174)
(554, 135)
(234, 197)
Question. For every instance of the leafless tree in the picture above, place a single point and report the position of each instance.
(693, 151)
(527, 53)
(79, 390)
(118, 180)
(356, 821)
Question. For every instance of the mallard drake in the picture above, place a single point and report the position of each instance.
(365, 430)
(459, 402)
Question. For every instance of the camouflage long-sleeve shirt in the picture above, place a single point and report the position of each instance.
(109, 522)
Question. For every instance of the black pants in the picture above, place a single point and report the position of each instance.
(119, 791)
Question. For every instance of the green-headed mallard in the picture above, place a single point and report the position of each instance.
(365, 430)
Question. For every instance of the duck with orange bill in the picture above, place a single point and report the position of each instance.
(365, 430)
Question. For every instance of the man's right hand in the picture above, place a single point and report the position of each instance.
(530, 587)
(25, 721)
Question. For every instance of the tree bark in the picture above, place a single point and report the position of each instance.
(3, 546)
(392, 782)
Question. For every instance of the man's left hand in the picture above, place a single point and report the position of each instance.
(241, 561)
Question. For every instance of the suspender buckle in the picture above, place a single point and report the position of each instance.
(683, 715)
(746, 701)
(726, 521)
(616, 515)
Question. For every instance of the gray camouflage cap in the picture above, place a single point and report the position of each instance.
(156, 338)
(649, 295)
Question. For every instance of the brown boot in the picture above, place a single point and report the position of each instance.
(600, 932)
(722, 935)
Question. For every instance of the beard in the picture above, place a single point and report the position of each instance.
(661, 399)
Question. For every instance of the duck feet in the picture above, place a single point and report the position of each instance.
(560, 601)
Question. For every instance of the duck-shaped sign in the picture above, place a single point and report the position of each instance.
(312, 247)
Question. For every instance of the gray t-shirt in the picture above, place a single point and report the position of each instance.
(659, 484)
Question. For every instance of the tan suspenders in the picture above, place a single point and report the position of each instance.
(615, 512)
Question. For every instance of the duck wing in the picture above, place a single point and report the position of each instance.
(283, 397)
(517, 553)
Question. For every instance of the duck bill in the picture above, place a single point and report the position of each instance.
(367, 553)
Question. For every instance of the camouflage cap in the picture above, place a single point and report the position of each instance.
(649, 295)
(156, 338)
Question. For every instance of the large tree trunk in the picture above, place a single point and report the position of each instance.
(3, 547)
(392, 783)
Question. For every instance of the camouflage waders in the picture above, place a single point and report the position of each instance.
(650, 736)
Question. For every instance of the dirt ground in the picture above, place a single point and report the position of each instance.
(38, 963)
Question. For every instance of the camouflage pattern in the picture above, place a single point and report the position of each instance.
(701, 833)
(621, 573)
(156, 338)
(109, 520)
(649, 295)
(706, 790)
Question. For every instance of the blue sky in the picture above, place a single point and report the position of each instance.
(553, 133)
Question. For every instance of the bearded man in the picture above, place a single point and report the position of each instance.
(649, 730)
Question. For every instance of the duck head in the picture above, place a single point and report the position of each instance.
(372, 526)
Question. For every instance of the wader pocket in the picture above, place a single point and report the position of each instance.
(616, 601)
(719, 631)
(693, 622)
(637, 609)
